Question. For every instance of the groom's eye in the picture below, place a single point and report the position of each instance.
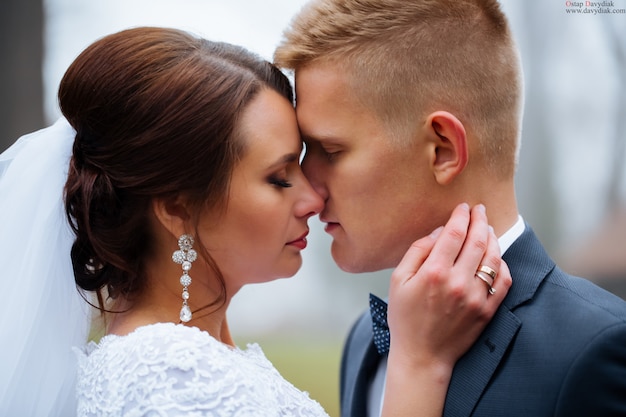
(330, 153)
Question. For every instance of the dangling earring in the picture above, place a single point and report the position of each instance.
(185, 256)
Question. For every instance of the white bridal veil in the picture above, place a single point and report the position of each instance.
(42, 315)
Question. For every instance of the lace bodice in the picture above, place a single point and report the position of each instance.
(174, 370)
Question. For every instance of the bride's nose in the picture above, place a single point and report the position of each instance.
(310, 202)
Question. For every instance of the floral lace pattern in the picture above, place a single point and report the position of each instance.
(174, 370)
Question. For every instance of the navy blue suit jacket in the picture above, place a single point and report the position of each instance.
(556, 347)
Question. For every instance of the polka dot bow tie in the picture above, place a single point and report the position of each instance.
(378, 310)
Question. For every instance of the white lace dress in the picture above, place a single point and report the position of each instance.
(174, 370)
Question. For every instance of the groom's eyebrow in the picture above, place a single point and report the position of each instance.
(307, 138)
(311, 139)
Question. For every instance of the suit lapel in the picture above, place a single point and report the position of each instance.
(363, 361)
(529, 265)
(474, 370)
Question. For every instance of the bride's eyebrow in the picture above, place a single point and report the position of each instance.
(285, 159)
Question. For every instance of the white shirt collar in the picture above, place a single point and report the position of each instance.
(506, 240)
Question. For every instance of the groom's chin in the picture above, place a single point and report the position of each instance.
(352, 261)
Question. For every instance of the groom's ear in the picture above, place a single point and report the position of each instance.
(449, 154)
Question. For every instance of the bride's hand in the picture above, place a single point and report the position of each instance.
(438, 307)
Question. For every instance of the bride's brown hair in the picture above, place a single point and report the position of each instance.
(155, 112)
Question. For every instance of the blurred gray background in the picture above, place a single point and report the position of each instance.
(571, 180)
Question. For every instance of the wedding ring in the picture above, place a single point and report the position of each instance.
(488, 271)
(481, 275)
(485, 277)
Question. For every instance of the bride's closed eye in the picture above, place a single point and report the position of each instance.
(279, 182)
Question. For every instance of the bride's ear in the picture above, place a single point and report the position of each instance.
(172, 214)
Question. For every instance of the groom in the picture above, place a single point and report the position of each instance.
(409, 107)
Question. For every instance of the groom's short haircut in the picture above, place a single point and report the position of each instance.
(408, 58)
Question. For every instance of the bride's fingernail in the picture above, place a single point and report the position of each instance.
(435, 233)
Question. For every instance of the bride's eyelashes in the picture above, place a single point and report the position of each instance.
(279, 182)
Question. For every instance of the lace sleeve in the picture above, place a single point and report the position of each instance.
(160, 371)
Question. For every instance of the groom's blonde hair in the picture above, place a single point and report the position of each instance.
(407, 58)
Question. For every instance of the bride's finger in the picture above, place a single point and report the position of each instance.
(414, 258)
(501, 285)
(436, 252)
(452, 239)
(487, 267)
(493, 274)
(477, 244)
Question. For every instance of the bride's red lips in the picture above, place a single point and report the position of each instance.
(300, 242)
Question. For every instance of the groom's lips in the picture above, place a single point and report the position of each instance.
(330, 226)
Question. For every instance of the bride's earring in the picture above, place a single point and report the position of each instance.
(185, 256)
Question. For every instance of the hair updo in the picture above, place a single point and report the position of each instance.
(155, 112)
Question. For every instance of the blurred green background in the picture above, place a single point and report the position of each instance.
(311, 367)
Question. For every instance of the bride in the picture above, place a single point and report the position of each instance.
(172, 181)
